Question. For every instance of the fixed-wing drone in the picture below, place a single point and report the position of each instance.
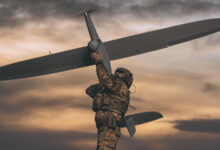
(111, 50)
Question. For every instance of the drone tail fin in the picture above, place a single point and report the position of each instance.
(131, 120)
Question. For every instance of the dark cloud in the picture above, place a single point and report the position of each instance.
(199, 81)
(131, 144)
(22, 97)
(183, 142)
(179, 7)
(13, 13)
(8, 18)
(199, 125)
(210, 87)
(178, 141)
(24, 105)
(11, 139)
(213, 89)
(44, 140)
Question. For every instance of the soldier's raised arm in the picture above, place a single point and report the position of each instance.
(103, 77)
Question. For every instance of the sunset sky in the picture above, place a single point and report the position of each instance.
(53, 112)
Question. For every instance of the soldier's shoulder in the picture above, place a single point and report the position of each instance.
(123, 88)
(123, 84)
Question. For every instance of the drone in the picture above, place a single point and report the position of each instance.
(111, 50)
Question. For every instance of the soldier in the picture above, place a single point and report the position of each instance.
(111, 99)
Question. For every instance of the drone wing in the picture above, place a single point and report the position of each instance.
(159, 39)
(116, 49)
(47, 64)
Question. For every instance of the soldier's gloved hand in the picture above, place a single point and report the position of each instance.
(97, 58)
(111, 123)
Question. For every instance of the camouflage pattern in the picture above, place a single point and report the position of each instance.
(111, 98)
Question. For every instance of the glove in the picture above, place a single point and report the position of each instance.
(97, 58)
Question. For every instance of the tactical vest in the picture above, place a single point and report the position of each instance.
(115, 103)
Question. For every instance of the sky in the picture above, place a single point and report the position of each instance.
(53, 112)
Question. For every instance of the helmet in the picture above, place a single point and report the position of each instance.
(128, 78)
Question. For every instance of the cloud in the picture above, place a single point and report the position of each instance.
(59, 80)
(16, 13)
(67, 90)
(199, 125)
(44, 140)
(177, 141)
(22, 104)
(62, 91)
(52, 25)
(210, 87)
(182, 7)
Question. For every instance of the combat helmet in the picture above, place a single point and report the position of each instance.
(128, 78)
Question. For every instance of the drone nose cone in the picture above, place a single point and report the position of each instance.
(93, 45)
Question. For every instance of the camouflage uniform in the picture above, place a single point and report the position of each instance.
(111, 99)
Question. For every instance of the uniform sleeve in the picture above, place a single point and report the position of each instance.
(105, 79)
(94, 89)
